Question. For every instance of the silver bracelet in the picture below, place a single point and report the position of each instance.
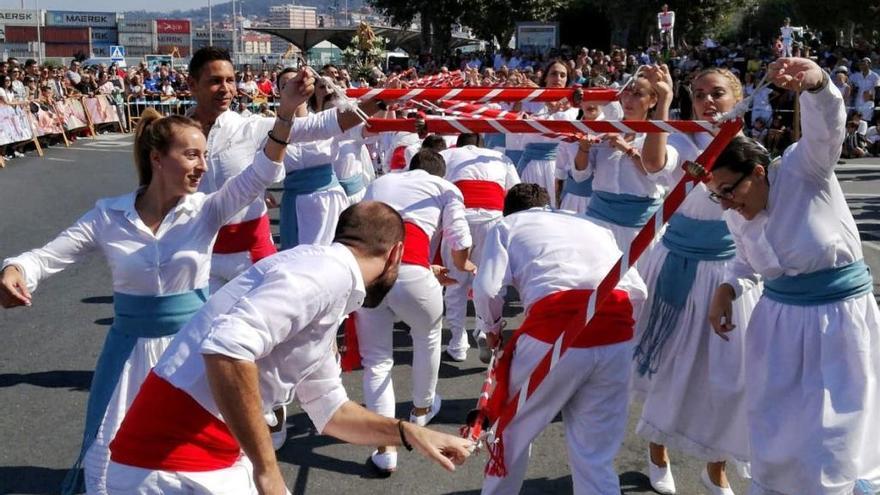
(282, 119)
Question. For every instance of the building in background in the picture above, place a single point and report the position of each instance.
(291, 16)
(221, 38)
(138, 37)
(256, 43)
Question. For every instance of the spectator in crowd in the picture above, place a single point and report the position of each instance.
(759, 131)
(135, 88)
(841, 80)
(73, 74)
(87, 85)
(247, 88)
(854, 144)
(7, 96)
(778, 135)
(31, 90)
(865, 82)
(264, 85)
(18, 87)
(872, 137)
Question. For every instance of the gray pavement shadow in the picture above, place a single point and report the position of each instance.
(31, 479)
(635, 482)
(75, 380)
(97, 300)
(536, 486)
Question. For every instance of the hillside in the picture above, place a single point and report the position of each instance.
(247, 7)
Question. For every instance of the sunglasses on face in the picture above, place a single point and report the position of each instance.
(726, 192)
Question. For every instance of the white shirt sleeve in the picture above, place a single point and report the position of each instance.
(582, 175)
(739, 272)
(321, 393)
(243, 189)
(313, 127)
(453, 221)
(71, 246)
(823, 125)
(492, 277)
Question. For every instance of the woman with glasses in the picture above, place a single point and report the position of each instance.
(813, 339)
(691, 379)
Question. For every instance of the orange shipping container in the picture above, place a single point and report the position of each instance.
(67, 50)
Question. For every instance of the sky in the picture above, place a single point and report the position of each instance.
(107, 5)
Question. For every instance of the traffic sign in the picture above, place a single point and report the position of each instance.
(117, 53)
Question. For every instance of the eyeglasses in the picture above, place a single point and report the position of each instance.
(726, 192)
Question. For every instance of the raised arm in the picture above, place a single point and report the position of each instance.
(823, 116)
(654, 155)
(21, 274)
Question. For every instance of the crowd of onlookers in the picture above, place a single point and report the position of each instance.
(771, 120)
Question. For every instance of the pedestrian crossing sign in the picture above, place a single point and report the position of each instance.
(117, 53)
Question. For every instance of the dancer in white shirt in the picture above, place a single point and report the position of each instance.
(537, 165)
(631, 173)
(788, 31)
(555, 260)
(574, 195)
(666, 25)
(157, 241)
(693, 381)
(813, 339)
(429, 205)
(483, 177)
(266, 338)
(232, 142)
(865, 82)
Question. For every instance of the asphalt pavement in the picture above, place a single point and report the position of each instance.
(49, 352)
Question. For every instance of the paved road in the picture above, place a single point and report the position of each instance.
(50, 350)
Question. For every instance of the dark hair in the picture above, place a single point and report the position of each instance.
(434, 142)
(205, 55)
(469, 139)
(370, 227)
(551, 63)
(741, 155)
(430, 161)
(524, 196)
(29, 62)
(155, 132)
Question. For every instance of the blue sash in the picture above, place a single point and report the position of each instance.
(514, 155)
(353, 185)
(583, 189)
(300, 182)
(625, 210)
(494, 140)
(689, 241)
(821, 287)
(134, 317)
(536, 151)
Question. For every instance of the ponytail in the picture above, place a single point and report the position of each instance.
(154, 132)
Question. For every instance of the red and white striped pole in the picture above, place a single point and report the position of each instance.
(481, 95)
(454, 125)
(630, 255)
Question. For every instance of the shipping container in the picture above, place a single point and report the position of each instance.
(23, 34)
(137, 39)
(80, 19)
(137, 26)
(217, 35)
(67, 50)
(21, 50)
(173, 39)
(105, 36)
(15, 17)
(225, 44)
(173, 26)
(139, 51)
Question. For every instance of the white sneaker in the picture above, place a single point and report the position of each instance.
(280, 436)
(661, 477)
(456, 356)
(458, 346)
(712, 487)
(424, 419)
(18, 154)
(385, 462)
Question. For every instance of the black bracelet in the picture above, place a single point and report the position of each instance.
(822, 84)
(403, 441)
(273, 138)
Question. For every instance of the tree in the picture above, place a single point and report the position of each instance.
(495, 20)
(435, 16)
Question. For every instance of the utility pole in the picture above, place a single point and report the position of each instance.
(210, 24)
(233, 31)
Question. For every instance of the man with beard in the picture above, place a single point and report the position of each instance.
(262, 340)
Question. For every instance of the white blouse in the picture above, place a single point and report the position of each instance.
(177, 258)
(697, 204)
(614, 172)
(807, 225)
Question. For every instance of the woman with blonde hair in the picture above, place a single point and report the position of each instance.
(157, 241)
(692, 380)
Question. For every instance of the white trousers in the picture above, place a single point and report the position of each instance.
(417, 300)
(589, 386)
(129, 480)
(456, 296)
(317, 215)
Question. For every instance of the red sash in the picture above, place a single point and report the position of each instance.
(165, 429)
(416, 246)
(254, 236)
(547, 319)
(351, 358)
(482, 194)
(398, 159)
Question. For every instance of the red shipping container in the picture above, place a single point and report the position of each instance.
(173, 26)
(24, 34)
(67, 49)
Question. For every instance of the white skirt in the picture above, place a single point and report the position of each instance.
(695, 402)
(575, 203)
(542, 173)
(144, 356)
(814, 396)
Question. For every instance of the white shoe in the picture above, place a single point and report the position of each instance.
(280, 436)
(458, 347)
(712, 487)
(426, 418)
(456, 356)
(385, 462)
(485, 352)
(661, 477)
